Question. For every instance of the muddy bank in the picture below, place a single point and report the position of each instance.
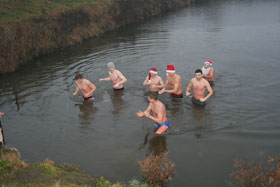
(24, 40)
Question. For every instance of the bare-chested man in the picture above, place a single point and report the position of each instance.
(154, 81)
(208, 71)
(86, 87)
(158, 113)
(175, 82)
(199, 85)
(117, 78)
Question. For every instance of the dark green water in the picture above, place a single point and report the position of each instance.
(242, 38)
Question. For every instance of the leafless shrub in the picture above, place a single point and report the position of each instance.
(253, 174)
(157, 169)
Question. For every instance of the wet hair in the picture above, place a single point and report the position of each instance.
(111, 65)
(78, 76)
(198, 71)
(153, 95)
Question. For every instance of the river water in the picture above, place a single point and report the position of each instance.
(241, 120)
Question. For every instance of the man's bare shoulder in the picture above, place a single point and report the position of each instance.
(118, 72)
(206, 82)
(87, 81)
(178, 77)
(193, 80)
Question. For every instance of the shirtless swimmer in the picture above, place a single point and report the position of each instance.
(86, 87)
(158, 113)
(154, 81)
(117, 78)
(199, 85)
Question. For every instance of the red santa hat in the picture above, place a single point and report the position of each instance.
(208, 62)
(170, 69)
(153, 70)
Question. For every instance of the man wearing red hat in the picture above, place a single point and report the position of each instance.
(154, 81)
(175, 82)
(199, 85)
(208, 71)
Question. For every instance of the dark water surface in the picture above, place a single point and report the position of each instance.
(242, 38)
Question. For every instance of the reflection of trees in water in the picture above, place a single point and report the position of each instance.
(87, 110)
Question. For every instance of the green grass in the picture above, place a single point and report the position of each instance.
(3, 166)
(14, 10)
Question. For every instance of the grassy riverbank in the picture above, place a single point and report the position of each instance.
(48, 173)
(15, 172)
(31, 28)
(17, 10)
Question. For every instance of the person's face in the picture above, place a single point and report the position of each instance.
(169, 74)
(79, 81)
(206, 65)
(111, 69)
(198, 76)
(153, 75)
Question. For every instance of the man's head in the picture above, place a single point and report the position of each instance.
(207, 64)
(170, 70)
(152, 97)
(198, 74)
(152, 72)
(111, 66)
(78, 78)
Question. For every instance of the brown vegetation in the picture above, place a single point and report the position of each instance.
(157, 169)
(22, 40)
(252, 174)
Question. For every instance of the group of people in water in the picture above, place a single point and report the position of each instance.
(156, 111)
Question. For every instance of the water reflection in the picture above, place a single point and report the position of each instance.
(87, 111)
(176, 108)
(117, 101)
(201, 116)
(16, 97)
(156, 144)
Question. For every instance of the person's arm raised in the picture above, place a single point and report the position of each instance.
(145, 83)
(105, 79)
(210, 92)
(176, 86)
(123, 78)
(141, 113)
(157, 119)
(164, 87)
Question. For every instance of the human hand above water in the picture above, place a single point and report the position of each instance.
(140, 114)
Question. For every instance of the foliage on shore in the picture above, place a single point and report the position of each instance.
(249, 174)
(157, 169)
